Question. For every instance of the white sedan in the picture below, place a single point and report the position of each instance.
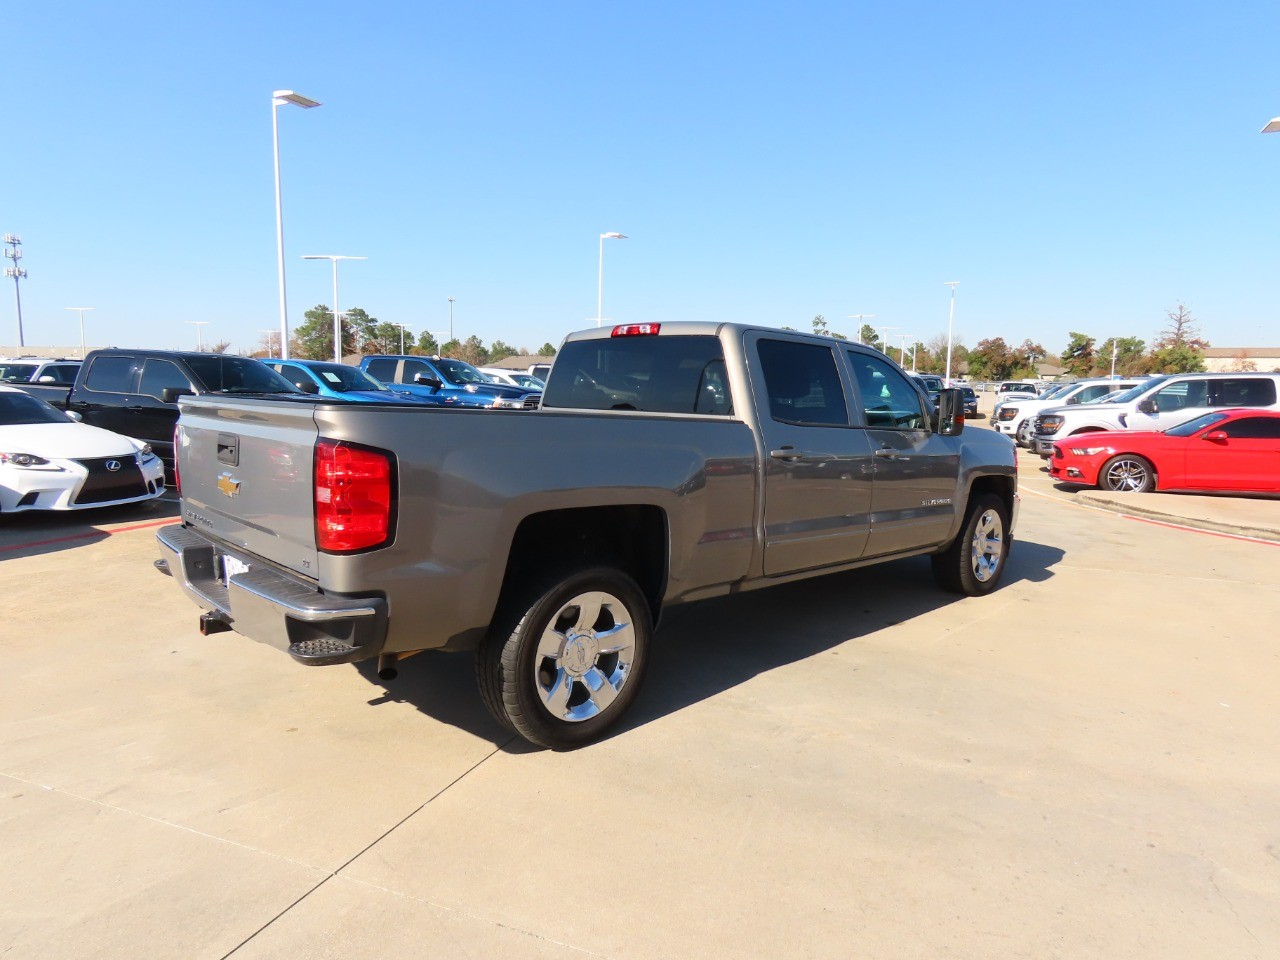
(49, 461)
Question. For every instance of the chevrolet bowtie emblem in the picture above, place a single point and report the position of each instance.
(228, 485)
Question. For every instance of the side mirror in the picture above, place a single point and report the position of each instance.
(47, 378)
(1217, 436)
(73, 416)
(426, 380)
(171, 394)
(948, 417)
(306, 386)
(1149, 406)
(1075, 399)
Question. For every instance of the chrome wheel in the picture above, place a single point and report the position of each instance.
(1024, 433)
(584, 656)
(986, 549)
(1127, 475)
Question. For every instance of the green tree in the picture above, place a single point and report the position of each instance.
(1130, 353)
(427, 344)
(385, 338)
(820, 326)
(473, 352)
(868, 336)
(990, 360)
(1078, 357)
(313, 339)
(498, 350)
(546, 350)
(1179, 348)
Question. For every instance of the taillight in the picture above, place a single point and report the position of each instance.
(177, 480)
(354, 492)
(637, 330)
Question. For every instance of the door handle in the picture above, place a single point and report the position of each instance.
(788, 454)
(888, 453)
(134, 406)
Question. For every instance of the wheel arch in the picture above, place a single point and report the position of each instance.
(632, 537)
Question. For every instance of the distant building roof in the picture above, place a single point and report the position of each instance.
(519, 363)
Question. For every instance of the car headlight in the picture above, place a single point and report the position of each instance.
(1050, 424)
(1087, 451)
(1007, 413)
(146, 454)
(505, 404)
(27, 460)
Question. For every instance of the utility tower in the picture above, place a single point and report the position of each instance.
(14, 253)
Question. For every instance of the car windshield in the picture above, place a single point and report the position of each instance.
(17, 372)
(1133, 393)
(341, 378)
(457, 372)
(1055, 391)
(1108, 397)
(1196, 425)
(20, 409)
(525, 380)
(221, 374)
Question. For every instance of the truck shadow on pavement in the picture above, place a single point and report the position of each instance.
(37, 532)
(706, 648)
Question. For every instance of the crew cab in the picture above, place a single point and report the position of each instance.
(449, 382)
(1157, 403)
(667, 463)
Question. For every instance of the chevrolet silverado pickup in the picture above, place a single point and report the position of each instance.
(667, 463)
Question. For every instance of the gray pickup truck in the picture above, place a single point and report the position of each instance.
(668, 463)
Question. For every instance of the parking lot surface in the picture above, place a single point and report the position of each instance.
(1080, 765)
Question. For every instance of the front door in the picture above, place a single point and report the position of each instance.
(817, 467)
(1248, 458)
(915, 469)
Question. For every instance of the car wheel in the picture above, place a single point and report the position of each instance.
(564, 659)
(1127, 473)
(1024, 433)
(975, 560)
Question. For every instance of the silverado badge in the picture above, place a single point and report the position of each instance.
(228, 485)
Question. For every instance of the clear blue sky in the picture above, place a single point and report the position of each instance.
(1075, 166)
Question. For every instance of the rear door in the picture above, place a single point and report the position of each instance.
(105, 394)
(246, 469)
(915, 469)
(817, 466)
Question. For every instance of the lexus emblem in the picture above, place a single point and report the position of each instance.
(113, 465)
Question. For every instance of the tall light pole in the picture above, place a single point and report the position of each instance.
(278, 99)
(902, 351)
(451, 319)
(199, 338)
(401, 326)
(82, 310)
(333, 258)
(14, 253)
(950, 320)
(613, 235)
(271, 341)
(884, 341)
(859, 317)
(1114, 350)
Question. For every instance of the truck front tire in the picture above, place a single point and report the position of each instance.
(975, 560)
(563, 660)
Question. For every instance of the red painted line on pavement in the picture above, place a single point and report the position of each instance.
(86, 536)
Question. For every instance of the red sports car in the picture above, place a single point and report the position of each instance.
(1237, 450)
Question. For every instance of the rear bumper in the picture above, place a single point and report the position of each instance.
(263, 604)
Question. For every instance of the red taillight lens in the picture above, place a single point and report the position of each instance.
(177, 480)
(637, 330)
(353, 496)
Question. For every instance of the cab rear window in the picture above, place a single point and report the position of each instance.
(650, 374)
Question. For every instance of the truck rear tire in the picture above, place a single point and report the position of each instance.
(975, 560)
(563, 659)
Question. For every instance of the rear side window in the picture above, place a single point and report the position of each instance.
(381, 369)
(223, 374)
(112, 374)
(1245, 392)
(803, 383)
(653, 374)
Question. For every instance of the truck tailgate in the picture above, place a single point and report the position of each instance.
(246, 471)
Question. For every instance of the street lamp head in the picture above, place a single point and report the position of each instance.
(329, 256)
(1273, 126)
(288, 96)
(613, 236)
(951, 283)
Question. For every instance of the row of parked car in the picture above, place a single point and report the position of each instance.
(100, 432)
(1189, 431)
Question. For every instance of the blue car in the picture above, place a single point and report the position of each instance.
(337, 381)
(451, 383)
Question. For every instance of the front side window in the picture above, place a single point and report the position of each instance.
(412, 368)
(1253, 428)
(158, 374)
(459, 373)
(803, 383)
(112, 374)
(1181, 394)
(889, 400)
